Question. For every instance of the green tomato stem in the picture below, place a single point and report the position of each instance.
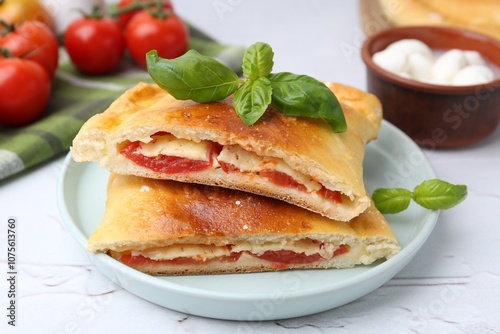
(5, 53)
(7, 28)
(136, 4)
(96, 12)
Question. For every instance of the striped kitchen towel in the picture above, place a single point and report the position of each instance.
(75, 98)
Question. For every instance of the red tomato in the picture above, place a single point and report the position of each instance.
(289, 257)
(139, 260)
(95, 45)
(169, 36)
(124, 19)
(35, 41)
(24, 91)
(330, 194)
(165, 164)
(282, 179)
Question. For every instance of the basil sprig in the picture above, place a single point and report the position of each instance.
(251, 99)
(193, 76)
(432, 194)
(258, 61)
(301, 95)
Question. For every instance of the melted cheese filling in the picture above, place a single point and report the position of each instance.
(171, 146)
(207, 252)
(242, 159)
(247, 161)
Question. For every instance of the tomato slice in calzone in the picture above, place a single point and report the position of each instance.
(148, 133)
(164, 227)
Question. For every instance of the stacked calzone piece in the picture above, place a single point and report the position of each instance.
(193, 190)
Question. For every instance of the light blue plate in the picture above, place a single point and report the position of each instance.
(393, 160)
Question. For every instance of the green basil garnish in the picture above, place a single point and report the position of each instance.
(301, 95)
(204, 79)
(436, 194)
(391, 200)
(258, 61)
(192, 76)
(252, 98)
(432, 194)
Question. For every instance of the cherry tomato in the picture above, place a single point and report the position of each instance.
(24, 91)
(145, 32)
(95, 45)
(17, 11)
(124, 19)
(35, 41)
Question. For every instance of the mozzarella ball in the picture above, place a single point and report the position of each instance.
(405, 75)
(474, 58)
(419, 66)
(411, 46)
(413, 59)
(391, 60)
(473, 75)
(447, 65)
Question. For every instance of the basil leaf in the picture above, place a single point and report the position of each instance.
(391, 200)
(192, 76)
(258, 61)
(302, 95)
(437, 194)
(252, 99)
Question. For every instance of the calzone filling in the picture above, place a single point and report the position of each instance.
(280, 255)
(170, 155)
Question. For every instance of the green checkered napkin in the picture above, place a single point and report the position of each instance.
(75, 98)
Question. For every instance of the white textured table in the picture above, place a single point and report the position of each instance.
(451, 286)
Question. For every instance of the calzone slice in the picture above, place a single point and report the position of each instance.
(164, 227)
(147, 132)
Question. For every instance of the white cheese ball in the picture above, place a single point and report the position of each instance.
(411, 46)
(447, 65)
(413, 59)
(405, 75)
(391, 60)
(474, 58)
(473, 75)
(419, 66)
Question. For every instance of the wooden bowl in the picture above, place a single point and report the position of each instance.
(436, 116)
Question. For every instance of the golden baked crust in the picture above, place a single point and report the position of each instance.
(482, 15)
(306, 145)
(144, 214)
